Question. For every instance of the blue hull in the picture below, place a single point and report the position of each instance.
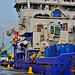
(61, 65)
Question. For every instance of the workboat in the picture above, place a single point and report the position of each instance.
(46, 42)
(58, 59)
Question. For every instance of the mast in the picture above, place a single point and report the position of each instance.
(28, 4)
(3, 41)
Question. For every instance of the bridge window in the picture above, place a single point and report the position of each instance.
(43, 7)
(57, 31)
(24, 6)
(34, 6)
(67, 0)
(52, 30)
(69, 8)
(39, 6)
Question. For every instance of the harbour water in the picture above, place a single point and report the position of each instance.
(5, 71)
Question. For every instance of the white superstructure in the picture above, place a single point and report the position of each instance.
(47, 18)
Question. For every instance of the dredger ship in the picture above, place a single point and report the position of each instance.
(46, 36)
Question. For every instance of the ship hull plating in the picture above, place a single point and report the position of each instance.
(61, 65)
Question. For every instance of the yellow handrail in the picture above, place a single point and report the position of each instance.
(39, 52)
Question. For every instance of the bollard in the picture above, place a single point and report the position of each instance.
(8, 67)
(30, 70)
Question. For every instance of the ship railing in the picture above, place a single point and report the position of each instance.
(51, 1)
(40, 52)
(33, 0)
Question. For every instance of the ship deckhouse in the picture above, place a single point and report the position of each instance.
(48, 18)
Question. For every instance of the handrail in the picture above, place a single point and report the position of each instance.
(39, 52)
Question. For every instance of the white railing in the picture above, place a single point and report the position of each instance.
(32, 0)
(43, 1)
(47, 2)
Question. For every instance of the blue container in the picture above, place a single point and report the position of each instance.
(47, 52)
(53, 51)
(58, 49)
(63, 48)
(70, 48)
